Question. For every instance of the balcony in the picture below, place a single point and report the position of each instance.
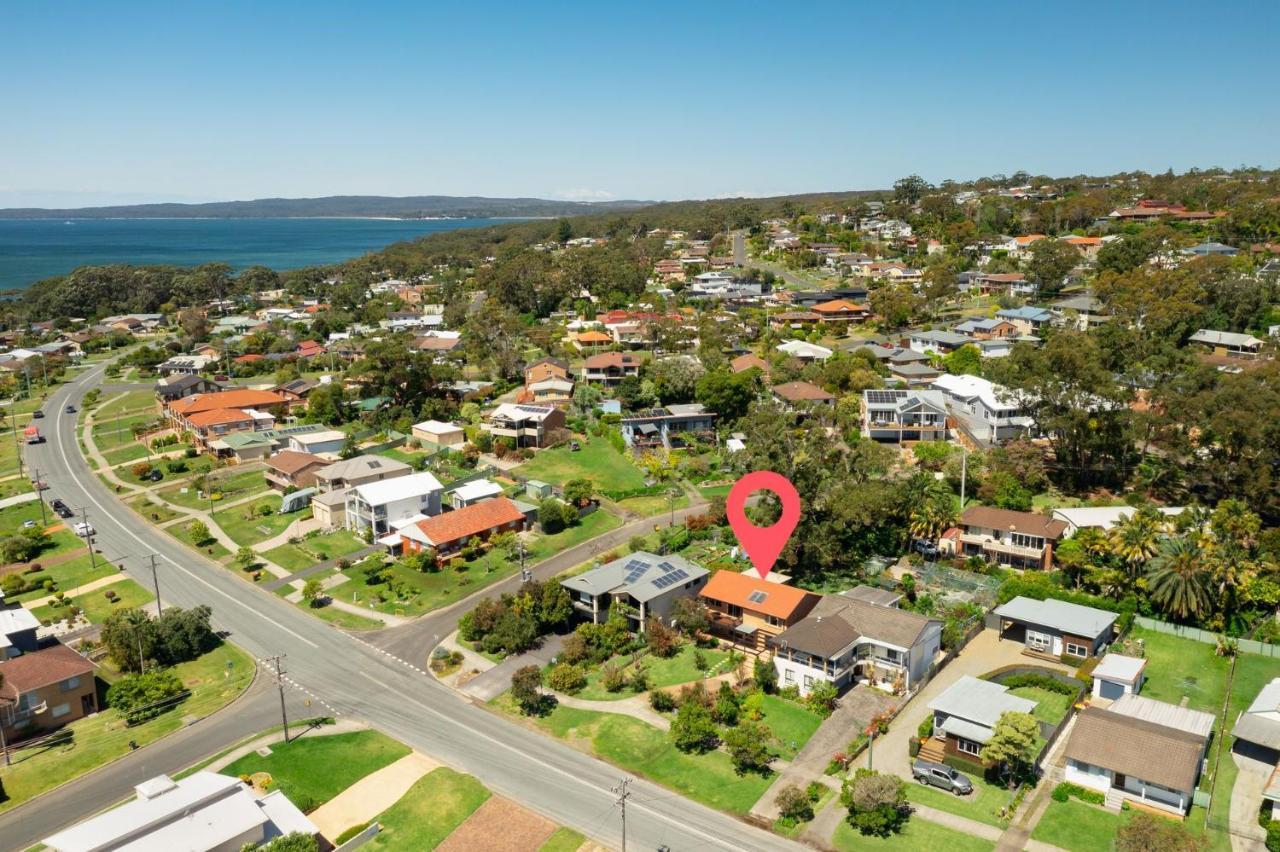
(986, 542)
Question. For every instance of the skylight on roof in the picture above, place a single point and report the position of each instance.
(757, 597)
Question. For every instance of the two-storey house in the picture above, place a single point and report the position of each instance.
(609, 368)
(846, 639)
(904, 415)
(1006, 537)
(381, 505)
(668, 427)
(526, 425)
(750, 611)
(645, 584)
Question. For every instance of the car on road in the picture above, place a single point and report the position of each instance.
(59, 508)
(942, 776)
(70, 409)
(84, 529)
(37, 414)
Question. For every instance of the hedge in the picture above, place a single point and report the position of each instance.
(1066, 790)
(1041, 681)
(973, 767)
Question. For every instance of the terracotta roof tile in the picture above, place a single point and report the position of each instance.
(780, 601)
(473, 520)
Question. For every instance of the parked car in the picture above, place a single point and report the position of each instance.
(942, 776)
(925, 548)
(84, 529)
(59, 508)
(28, 524)
(37, 414)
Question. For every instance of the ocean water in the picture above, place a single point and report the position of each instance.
(33, 249)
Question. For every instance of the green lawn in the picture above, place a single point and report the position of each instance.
(104, 737)
(1078, 827)
(125, 453)
(130, 402)
(247, 528)
(597, 461)
(338, 617)
(95, 606)
(1051, 706)
(434, 589)
(1252, 673)
(68, 575)
(920, 835)
(311, 770)
(643, 749)
(981, 805)
(433, 807)
(212, 548)
(319, 548)
(12, 517)
(792, 724)
(111, 433)
(230, 484)
(562, 840)
(672, 671)
(653, 504)
(1178, 668)
(153, 511)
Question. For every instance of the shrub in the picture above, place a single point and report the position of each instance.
(140, 697)
(1066, 790)
(822, 698)
(662, 701)
(566, 678)
(748, 747)
(141, 469)
(926, 728)
(663, 641)
(350, 833)
(877, 803)
(794, 804)
(1038, 680)
(612, 677)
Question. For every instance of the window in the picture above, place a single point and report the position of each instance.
(967, 746)
(1037, 641)
(61, 710)
(70, 684)
(773, 621)
(789, 676)
(808, 681)
(1075, 650)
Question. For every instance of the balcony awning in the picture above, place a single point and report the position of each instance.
(744, 629)
(965, 729)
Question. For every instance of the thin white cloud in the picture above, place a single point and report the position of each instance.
(585, 194)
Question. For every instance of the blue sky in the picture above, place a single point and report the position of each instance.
(126, 102)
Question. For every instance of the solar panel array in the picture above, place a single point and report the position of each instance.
(635, 569)
(882, 397)
(671, 578)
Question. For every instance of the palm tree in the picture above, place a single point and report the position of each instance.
(1137, 538)
(933, 515)
(1093, 541)
(1177, 580)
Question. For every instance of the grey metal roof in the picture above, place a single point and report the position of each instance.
(964, 728)
(1162, 713)
(980, 701)
(1255, 724)
(1059, 615)
(1225, 338)
(642, 575)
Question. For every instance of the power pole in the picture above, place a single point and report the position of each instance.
(964, 470)
(88, 538)
(44, 518)
(155, 580)
(623, 795)
(284, 716)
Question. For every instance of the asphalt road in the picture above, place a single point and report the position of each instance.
(355, 678)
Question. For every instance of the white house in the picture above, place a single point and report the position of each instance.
(805, 351)
(318, 443)
(1103, 517)
(380, 505)
(204, 812)
(473, 492)
(1140, 750)
(990, 412)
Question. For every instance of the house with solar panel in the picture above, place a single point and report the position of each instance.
(908, 414)
(646, 584)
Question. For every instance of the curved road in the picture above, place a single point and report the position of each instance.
(356, 678)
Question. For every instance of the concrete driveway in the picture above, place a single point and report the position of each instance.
(986, 652)
(1246, 797)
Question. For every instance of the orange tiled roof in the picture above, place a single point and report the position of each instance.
(473, 520)
(780, 601)
(241, 398)
(217, 417)
(594, 337)
(839, 306)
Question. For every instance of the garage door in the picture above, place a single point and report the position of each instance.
(1110, 689)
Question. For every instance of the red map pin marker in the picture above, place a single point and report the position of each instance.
(763, 544)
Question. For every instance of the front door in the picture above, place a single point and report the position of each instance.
(1119, 780)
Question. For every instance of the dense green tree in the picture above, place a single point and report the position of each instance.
(877, 803)
(1177, 580)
